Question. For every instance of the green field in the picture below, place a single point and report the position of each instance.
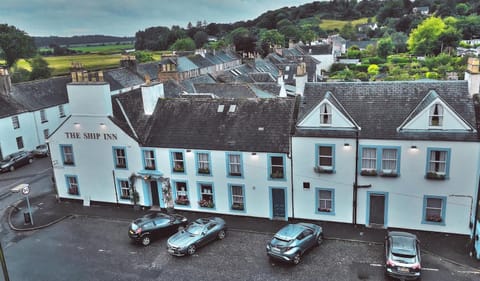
(106, 49)
(338, 24)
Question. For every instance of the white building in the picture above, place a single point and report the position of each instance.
(227, 156)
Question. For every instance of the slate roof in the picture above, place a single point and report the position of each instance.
(121, 78)
(261, 125)
(271, 88)
(200, 61)
(261, 77)
(150, 68)
(223, 90)
(40, 94)
(9, 107)
(188, 84)
(132, 104)
(184, 64)
(379, 108)
(323, 49)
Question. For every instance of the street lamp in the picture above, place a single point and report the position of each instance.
(24, 188)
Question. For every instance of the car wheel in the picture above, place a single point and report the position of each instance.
(30, 160)
(297, 258)
(221, 234)
(320, 239)
(12, 168)
(146, 240)
(191, 249)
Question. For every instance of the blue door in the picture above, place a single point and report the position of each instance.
(278, 203)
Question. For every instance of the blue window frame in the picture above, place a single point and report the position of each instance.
(276, 167)
(206, 195)
(438, 163)
(382, 160)
(72, 185)
(177, 160)
(325, 201)
(325, 158)
(234, 164)
(120, 157)
(67, 154)
(149, 161)
(123, 186)
(180, 193)
(434, 209)
(202, 162)
(236, 197)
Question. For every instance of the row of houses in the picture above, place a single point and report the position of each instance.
(344, 152)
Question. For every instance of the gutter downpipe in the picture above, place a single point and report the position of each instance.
(355, 183)
(115, 186)
(475, 223)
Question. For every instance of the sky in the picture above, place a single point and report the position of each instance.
(125, 17)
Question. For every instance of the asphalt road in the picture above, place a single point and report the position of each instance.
(84, 248)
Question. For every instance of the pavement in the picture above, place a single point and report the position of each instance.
(47, 210)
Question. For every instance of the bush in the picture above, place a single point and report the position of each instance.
(338, 67)
(376, 60)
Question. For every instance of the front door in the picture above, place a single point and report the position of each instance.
(155, 195)
(377, 210)
(278, 203)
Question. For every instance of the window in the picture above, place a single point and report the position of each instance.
(61, 111)
(203, 163)
(277, 167)
(325, 201)
(67, 155)
(46, 133)
(120, 157)
(389, 160)
(19, 142)
(43, 116)
(436, 115)
(434, 209)
(437, 163)
(15, 122)
(206, 196)
(124, 189)
(72, 185)
(325, 160)
(181, 192)
(234, 165)
(237, 199)
(149, 159)
(369, 158)
(178, 164)
(325, 114)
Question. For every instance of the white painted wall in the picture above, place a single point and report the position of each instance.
(405, 193)
(326, 61)
(92, 98)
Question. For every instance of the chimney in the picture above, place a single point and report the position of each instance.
(151, 92)
(89, 94)
(5, 82)
(472, 75)
(129, 62)
(300, 78)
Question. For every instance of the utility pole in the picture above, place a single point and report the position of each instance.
(4, 264)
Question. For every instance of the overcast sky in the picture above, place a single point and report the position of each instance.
(125, 17)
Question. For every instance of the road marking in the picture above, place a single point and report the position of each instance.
(429, 269)
(469, 272)
(376, 265)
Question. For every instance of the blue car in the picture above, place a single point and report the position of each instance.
(195, 235)
(293, 240)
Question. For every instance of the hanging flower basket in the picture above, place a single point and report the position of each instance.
(321, 170)
(182, 201)
(435, 176)
(369, 173)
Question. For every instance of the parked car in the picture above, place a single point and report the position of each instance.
(402, 256)
(40, 151)
(15, 160)
(195, 235)
(154, 225)
(292, 241)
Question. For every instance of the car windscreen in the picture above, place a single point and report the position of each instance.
(194, 229)
(403, 246)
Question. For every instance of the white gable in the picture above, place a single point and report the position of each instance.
(449, 119)
(338, 120)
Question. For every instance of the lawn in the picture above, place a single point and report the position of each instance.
(105, 49)
(338, 24)
(61, 64)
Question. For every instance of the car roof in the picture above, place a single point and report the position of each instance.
(290, 231)
(403, 243)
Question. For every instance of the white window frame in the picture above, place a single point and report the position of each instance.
(15, 122)
(369, 159)
(124, 189)
(234, 165)
(435, 118)
(325, 114)
(149, 157)
(43, 116)
(435, 162)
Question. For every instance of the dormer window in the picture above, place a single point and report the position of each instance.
(325, 114)
(436, 116)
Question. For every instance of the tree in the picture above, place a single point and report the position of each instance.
(272, 37)
(200, 38)
(424, 40)
(15, 44)
(143, 56)
(348, 32)
(385, 47)
(40, 69)
(399, 40)
(373, 70)
(184, 44)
